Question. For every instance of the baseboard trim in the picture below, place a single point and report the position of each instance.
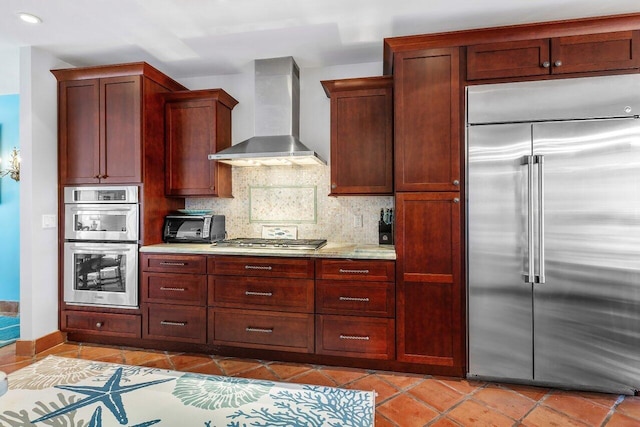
(31, 348)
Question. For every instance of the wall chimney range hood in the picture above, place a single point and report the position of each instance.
(277, 120)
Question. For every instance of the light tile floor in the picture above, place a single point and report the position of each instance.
(404, 400)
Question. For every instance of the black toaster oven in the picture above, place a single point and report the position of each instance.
(193, 228)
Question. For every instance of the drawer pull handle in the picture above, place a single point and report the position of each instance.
(359, 299)
(99, 325)
(164, 288)
(177, 264)
(354, 271)
(257, 267)
(261, 330)
(168, 323)
(354, 337)
(258, 294)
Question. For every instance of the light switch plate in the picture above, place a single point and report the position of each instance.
(49, 221)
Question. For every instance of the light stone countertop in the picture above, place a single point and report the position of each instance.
(330, 250)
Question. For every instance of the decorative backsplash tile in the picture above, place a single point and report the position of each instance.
(275, 204)
(335, 216)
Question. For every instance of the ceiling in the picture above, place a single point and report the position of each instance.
(187, 38)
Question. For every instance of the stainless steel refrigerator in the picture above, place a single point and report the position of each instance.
(553, 232)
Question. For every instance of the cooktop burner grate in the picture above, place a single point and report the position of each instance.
(273, 243)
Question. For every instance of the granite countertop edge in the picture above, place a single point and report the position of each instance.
(330, 250)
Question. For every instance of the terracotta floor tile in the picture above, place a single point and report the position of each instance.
(90, 352)
(343, 376)
(604, 399)
(138, 357)
(444, 422)
(401, 380)
(436, 394)
(619, 420)
(471, 413)
(543, 416)
(209, 368)
(7, 359)
(260, 373)
(630, 407)
(288, 370)
(462, 385)
(12, 367)
(578, 407)
(232, 366)
(184, 361)
(533, 393)
(405, 411)
(381, 421)
(68, 350)
(508, 402)
(163, 363)
(383, 389)
(114, 358)
(313, 377)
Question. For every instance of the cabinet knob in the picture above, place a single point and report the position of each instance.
(456, 200)
(558, 63)
(96, 176)
(546, 64)
(456, 182)
(99, 325)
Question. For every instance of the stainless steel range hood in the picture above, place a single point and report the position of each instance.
(277, 120)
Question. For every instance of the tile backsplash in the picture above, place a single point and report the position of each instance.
(295, 195)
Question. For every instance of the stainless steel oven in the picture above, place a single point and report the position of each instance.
(101, 246)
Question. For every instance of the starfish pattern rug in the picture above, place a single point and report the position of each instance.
(58, 391)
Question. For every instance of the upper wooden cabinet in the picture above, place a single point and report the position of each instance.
(361, 135)
(427, 120)
(197, 123)
(102, 113)
(559, 55)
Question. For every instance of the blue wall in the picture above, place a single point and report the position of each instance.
(9, 202)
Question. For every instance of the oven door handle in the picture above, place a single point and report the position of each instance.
(100, 208)
(100, 247)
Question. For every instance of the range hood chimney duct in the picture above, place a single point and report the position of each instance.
(277, 120)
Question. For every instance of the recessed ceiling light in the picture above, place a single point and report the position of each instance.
(27, 17)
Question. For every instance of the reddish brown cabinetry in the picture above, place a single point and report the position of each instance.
(197, 123)
(430, 312)
(361, 135)
(355, 308)
(261, 302)
(174, 297)
(427, 120)
(559, 55)
(101, 324)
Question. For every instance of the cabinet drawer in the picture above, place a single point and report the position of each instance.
(175, 323)
(365, 337)
(170, 288)
(117, 325)
(261, 329)
(346, 269)
(295, 268)
(281, 294)
(355, 298)
(508, 59)
(169, 263)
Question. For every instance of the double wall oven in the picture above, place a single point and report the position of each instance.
(101, 246)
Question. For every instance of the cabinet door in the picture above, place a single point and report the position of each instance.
(79, 131)
(191, 134)
(429, 298)
(427, 120)
(120, 126)
(508, 59)
(596, 52)
(362, 141)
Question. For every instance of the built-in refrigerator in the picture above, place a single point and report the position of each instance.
(553, 232)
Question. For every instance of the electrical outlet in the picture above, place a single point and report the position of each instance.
(357, 220)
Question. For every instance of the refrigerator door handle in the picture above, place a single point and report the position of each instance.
(529, 277)
(540, 161)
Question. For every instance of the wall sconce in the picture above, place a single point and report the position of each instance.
(14, 166)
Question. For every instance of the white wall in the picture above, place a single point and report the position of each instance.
(10, 71)
(38, 193)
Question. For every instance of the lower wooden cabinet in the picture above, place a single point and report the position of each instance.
(103, 324)
(270, 330)
(175, 323)
(352, 336)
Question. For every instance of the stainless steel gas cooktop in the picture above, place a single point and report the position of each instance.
(272, 243)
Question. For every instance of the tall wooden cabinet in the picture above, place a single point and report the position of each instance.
(197, 123)
(361, 135)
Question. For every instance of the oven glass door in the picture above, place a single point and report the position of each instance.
(104, 274)
(101, 222)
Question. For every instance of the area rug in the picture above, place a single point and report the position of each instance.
(58, 391)
(9, 330)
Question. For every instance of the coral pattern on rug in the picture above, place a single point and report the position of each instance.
(94, 394)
